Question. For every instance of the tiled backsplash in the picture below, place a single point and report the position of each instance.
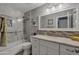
(59, 33)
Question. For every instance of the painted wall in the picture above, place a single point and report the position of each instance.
(42, 10)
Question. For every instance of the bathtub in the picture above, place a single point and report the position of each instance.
(14, 48)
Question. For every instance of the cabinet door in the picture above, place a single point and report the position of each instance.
(43, 50)
(49, 48)
(35, 41)
(35, 46)
(52, 52)
(35, 50)
(66, 50)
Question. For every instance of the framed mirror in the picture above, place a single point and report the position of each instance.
(63, 19)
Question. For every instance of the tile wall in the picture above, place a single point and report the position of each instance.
(66, 34)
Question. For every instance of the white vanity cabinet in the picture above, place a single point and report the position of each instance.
(52, 46)
(43, 47)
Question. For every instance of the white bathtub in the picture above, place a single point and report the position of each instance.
(13, 48)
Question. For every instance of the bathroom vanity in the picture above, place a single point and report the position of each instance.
(49, 45)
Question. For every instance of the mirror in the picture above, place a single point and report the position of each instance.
(47, 21)
(63, 19)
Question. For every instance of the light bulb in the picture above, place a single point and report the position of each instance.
(53, 8)
(47, 10)
(60, 6)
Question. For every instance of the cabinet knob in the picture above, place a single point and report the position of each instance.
(77, 50)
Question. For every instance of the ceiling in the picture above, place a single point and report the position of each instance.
(23, 7)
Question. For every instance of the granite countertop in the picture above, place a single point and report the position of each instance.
(61, 40)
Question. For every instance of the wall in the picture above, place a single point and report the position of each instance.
(9, 11)
(27, 26)
(42, 10)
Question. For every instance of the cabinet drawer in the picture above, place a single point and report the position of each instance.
(34, 41)
(67, 50)
(43, 42)
(53, 45)
(53, 52)
(49, 44)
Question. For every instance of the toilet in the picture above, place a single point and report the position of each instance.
(26, 48)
